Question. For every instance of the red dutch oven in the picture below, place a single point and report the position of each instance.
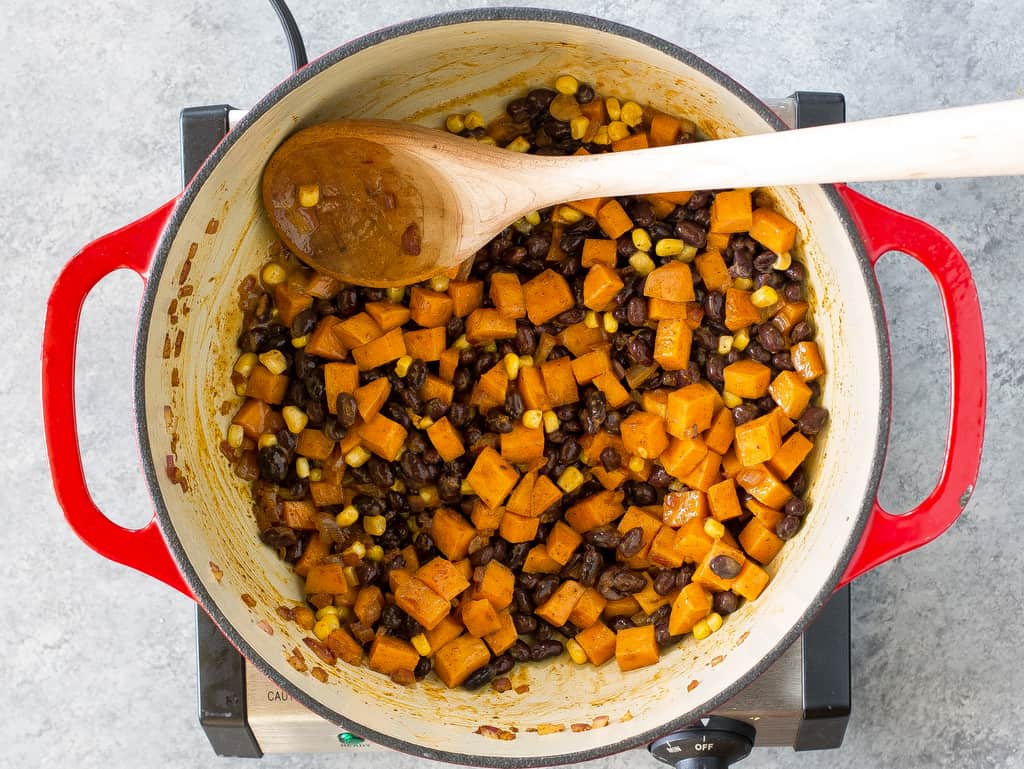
(194, 251)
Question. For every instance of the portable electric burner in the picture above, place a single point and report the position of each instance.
(802, 700)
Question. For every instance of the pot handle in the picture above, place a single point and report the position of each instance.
(130, 247)
(883, 229)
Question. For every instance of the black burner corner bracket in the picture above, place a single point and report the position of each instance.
(202, 128)
(826, 676)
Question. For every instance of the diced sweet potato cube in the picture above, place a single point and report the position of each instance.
(659, 309)
(316, 550)
(562, 542)
(327, 578)
(600, 286)
(451, 533)
(479, 617)
(739, 310)
(545, 494)
(446, 630)
(672, 343)
(298, 514)
(644, 434)
(383, 437)
(530, 384)
(759, 543)
(369, 604)
(545, 345)
(762, 484)
(730, 464)
(501, 640)
(690, 410)
(345, 647)
(712, 270)
(663, 551)
(672, 282)
(655, 401)
(398, 577)
(446, 439)
(662, 207)
(426, 344)
(371, 396)
(718, 241)
(723, 501)
(421, 603)
(757, 440)
(691, 606)
(358, 330)
(252, 416)
(705, 577)
(327, 493)
(265, 386)
(790, 455)
(457, 659)
(616, 395)
(449, 361)
(388, 315)
(441, 576)
(665, 129)
(488, 325)
(791, 393)
(597, 510)
(807, 360)
(682, 456)
(706, 474)
(589, 206)
(598, 642)
(484, 517)
(323, 286)
(290, 301)
(429, 308)
(579, 339)
(588, 609)
(520, 501)
(389, 654)
(586, 367)
(747, 378)
(324, 343)
(313, 444)
(635, 647)
(731, 211)
(383, 349)
(559, 382)
(492, 477)
(435, 387)
(683, 506)
(539, 562)
(720, 435)
(772, 230)
(507, 294)
(613, 219)
(559, 606)
(649, 526)
(785, 423)
(523, 444)
(636, 141)
(769, 516)
(466, 296)
(547, 295)
(497, 585)
(339, 378)
(599, 251)
(751, 581)
(494, 383)
(517, 528)
(692, 542)
(789, 315)
(621, 607)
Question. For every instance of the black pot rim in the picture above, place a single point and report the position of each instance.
(163, 518)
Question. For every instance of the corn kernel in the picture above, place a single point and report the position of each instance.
(375, 553)
(533, 218)
(302, 467)
(525, 360)
(439, 283)
(601, 137)
(474, 120)
(512, 366)
(402, 365)
(570, 480)
(688, 254)
(325, 611)
(455, 124)
(522, 226)
(309, 195)
(466, 488)
(576, 652)
(246, 363)
(491, 347)
(235, 436)
(610, 324)
(551, 421)
(398, 486)
(731, 400)
(375, 525)
(590, 320)
(743, 284)
(294, 418)
(725, 344)
(765, 296)
(642, 263)
(566, 215)
(617, 130)
(641, 240)
(316, 474)
(345, 613)
(298, 342)
(324, 627)
(519, 144)
(421, 645)
(461, 343)
(783, 261)
(714, 529)
(701, 630)
(396, 294)
(350, 575)
(533, 418)
(348, 516)
(567, 84)
(714, 620)
(632, 114)
(275, 361)
(240, 389)
(669, 247)
(272, 274)
(357, 457)
(267, 440)
(741, 339)
(611, 106)
(676, 486)
(424, 423)
(578, 126)
(636, 464)
(488, 140)
(357, 548)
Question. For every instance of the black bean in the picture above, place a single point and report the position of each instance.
(392, 617)
(725, 602)
(479, 677)
(631, 544)
(812, 420)
(636, 311)
(629, 582)
(422, 668)
(610, 459)
(788, 527)
(543, 650)
(665, 582)
(347, 410)
(569, 452)
(642, 494)
(499, 422)
(274, 464)
(691, 233)
(641, 212)
(742, 266)
(683, 576)
(705, 338)
(485, 362)
(756, 352)
(800, 332)
(618, 624)
(796, 506)
(770, 338)
(502, 664)
(659, 478)
(715, 369)
(793, 292)
(483, 556)
(524, 623)
(783, 361)
(699, 199)
(639, 352)
(612, 422)
(714, 306)
(545, 588)
(765, 261)
(590, 566)
(523, 109)
(662, 636)
(603, 536)
(724, 566)
(462, 380)
(519, 651)
(571, 316)
(796, 272)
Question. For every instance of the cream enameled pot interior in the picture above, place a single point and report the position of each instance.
(422, 76)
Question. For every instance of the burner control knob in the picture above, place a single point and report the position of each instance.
(710, 743)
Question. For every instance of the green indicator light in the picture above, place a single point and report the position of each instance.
(347, 738)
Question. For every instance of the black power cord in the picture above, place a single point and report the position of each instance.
(292, 36)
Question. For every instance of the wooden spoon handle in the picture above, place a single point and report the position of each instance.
(980, 140)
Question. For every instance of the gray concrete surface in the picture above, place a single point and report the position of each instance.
(98, 662)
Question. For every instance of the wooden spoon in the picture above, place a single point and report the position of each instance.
(383, 203)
